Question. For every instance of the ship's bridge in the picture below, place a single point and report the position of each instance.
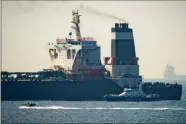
(73, 54)
(88, 44)
(84, 43)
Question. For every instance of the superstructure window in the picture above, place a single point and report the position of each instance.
(79, 53)
(55, 54)
(68, 54)
(73, 53)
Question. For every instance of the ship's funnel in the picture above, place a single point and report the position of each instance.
(122, 44)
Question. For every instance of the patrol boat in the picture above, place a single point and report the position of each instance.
(132, 95)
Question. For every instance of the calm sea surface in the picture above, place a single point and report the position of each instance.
(95, 111)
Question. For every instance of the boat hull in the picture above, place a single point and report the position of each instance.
(119, 98)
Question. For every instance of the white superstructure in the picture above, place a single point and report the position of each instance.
(76, 56)
(133, 92)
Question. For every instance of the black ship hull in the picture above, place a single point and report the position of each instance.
(58, 90)
(76, 90)
(165, 91)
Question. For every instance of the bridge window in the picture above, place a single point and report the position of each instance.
(79, 53)
(73, 53)
(68, 54)
(55, 54)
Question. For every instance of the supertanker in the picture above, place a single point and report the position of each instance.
(77, 72)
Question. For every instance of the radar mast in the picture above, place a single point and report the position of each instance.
(75, 26)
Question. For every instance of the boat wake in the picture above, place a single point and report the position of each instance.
(72, 108)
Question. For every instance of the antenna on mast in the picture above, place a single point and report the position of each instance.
(70, 35)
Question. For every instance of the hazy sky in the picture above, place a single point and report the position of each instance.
(159, 29)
